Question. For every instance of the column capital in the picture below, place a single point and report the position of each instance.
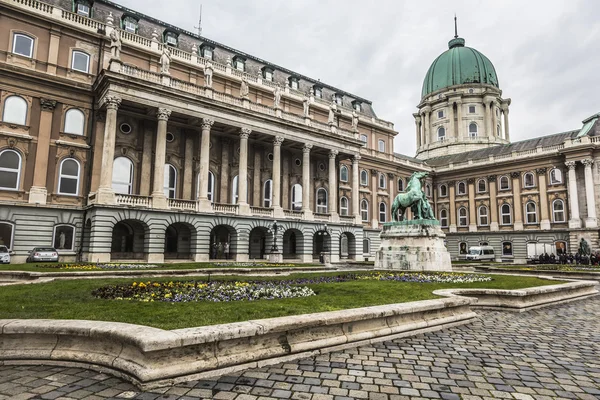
(207, 123)
(163, 114)
(516, 174)
(278, 141)
(571, 164)
(471, 181)
(587, 162)
(112, 102)
(47, 104)
(356, 158)
(333, 154)
(491, 178)
(541, 171)
(245, 133)
(306, 149)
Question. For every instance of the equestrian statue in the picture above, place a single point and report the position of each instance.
(413, 197)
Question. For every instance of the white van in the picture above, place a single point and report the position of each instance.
(481, 253)
(4, 255)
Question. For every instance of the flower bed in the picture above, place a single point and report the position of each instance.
(558, 267)
(97, 267)
(188, 291)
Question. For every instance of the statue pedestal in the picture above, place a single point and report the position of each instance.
(415, 245)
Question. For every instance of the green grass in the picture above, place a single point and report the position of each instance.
(72, 299)
(51, 267)
(551, 268)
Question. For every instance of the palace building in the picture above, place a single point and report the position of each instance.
(126, 138)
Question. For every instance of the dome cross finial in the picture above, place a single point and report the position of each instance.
(455, 27)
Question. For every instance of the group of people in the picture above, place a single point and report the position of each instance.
(219, 250)
(570, 258)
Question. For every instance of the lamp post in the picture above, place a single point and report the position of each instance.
(275, 255)
(326, 232)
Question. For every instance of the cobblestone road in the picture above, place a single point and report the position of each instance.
(553, 353)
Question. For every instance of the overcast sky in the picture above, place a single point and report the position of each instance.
(546, 53)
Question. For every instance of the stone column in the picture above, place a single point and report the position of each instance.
(428, 125)
(258, 187)
(355, 190)
(452, 206)
(146, 170)
(418, 126)
(590, 221)
(106, 194)
(203, 203)
(517, 205)
(544, 213)
(224, 173)
(473, 222)
(458, 132)
(285, 190)
(494, 119)
(244, 208)
(38, 192)
(333, 187)
(159, 200)
(493, 187)
(486, 108)
(451, 130)
(100, 117)
(506, 131)
(574, 221)
(306, 206)
(188, 168)
(276, 204)
(374, 199)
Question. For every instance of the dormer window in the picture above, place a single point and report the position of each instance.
(357, 105)
(129, 24)
(239, 63)
(318, 91)
(294, 83)
(171, 38)
(267, 73)
(338, 98)
(206, 52)
(82, 8)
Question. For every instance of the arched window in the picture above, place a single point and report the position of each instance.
(555, 176)
(504, 183)
(15, 110)
(366, 246)
(364, 210)
(462, 217)
(381, 145)
(321, 200)
(462, 248)
(400, 184)
(23, 45)
(481, 186)
(364, 178)
(505, 214)
(531, 213)
(473, 129)
(558, 210)
(170, 182)
(7, 231)
(122, 180)
(461, 188)
(428, 190)
(344, 211)
(483, 216)
(10, 170)
(444, 218)
(528, 180)
(343, 173)
(267, 193)
(382, 212)
(297, 197)
(443, 191)
(68, 177)
(63, 237)
(441, 132)
(80, 61)
(74, 122)
(382, 181)
(507, 249)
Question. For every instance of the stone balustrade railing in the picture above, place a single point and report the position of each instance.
(225, 208)
(261, 211)
(181, 204)
(322, 217)
(292, 214)
(347, 219)
(134, 200)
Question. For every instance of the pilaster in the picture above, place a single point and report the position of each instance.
(159, 199)
(38, 193)
(106, 194)
(574, 221)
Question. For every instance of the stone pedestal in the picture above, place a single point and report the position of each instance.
(415, 245)
(276, 258)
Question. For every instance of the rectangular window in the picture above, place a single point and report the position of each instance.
(381, 146)
(239, 65)
(441, 114)
(83, 9)
(338, 99)
(22, 45)
(171, 39)
(471, 109)
(363, 138)
(357, 107)
(507, 249)
(268, 75)
(318, 92)
(294, 84)
(80, 62)
(130, 25)
(208, 53)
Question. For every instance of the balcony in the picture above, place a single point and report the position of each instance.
(223, 208)
(261, 211)
(132, 200)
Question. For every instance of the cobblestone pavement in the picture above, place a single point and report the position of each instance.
(552, 353)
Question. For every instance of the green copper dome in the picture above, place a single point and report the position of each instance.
(459, 65)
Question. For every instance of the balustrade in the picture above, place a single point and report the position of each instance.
(225, 208)
(261, 211)
(134, 200)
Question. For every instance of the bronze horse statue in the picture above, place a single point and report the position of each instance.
(412, 197)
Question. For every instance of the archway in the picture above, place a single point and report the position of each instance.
(178, 241)
(257, 246)
(321, 244)
(128, 240)
(223, 242)
(293, 240)
(347, 246)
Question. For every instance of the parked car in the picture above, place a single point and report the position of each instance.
(43, 254)
(481, 253)
(4, 255)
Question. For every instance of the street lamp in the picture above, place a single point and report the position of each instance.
(326, 232)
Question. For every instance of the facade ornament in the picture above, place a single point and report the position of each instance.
(207, 123)
(471, 181)
(165, 60)
(194, 49)
(47, 104)
(491, 178)
(333, 154)
(354, 120)
(356, 158)
(390, 175)
(571, 164)
(451, 184)
(587, 162)
(228, 61)
(245, 133)
(374, 172)
(306, 104)
(115, 44)
(332, 110)
(277, 97)
(541, 171)
(110, 19)
(12, 143)
(244, 88)
(163, 114)
(307, 147)
(154, 36)
(278, 141)
(208, 74)
(516, 174)
(100, 116)
(112, 102)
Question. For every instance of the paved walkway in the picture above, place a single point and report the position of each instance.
(553, 353)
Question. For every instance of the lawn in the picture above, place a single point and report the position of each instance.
(553, 267)
(77, 267)
(72, 299)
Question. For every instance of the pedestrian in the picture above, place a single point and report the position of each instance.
(226, 250)
(220, 250)
(213, 251)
